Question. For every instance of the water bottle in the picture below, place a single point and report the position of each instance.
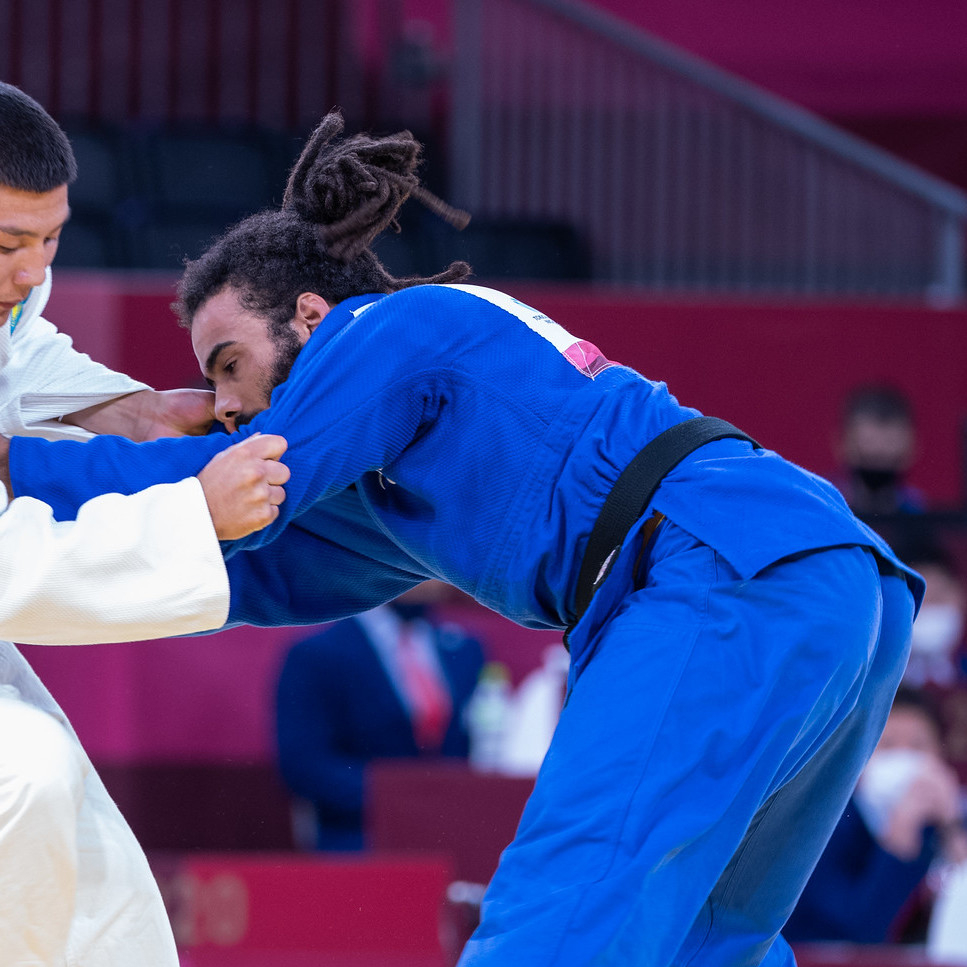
(486, 715)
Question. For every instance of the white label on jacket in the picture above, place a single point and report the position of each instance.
(582, 355)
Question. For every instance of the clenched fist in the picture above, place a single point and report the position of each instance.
(243, 485)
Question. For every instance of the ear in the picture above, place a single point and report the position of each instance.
(310, 310)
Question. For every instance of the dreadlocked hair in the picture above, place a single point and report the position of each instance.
(341, 195)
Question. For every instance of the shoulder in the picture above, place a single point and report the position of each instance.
(406, 315)
(432, 323)
(462, 296)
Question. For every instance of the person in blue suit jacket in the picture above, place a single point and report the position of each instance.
(345, 698)
(904, 815)
(736, 634)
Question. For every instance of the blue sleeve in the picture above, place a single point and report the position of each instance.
(67, 473)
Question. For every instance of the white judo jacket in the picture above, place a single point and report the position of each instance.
(134, 567)
(142, 566)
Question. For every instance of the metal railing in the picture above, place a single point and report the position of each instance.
(678, 175)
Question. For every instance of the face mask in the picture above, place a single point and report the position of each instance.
(876, 480)
(937, 630)
(885, 779)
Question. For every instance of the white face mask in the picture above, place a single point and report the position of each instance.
(885, 779)
(938, 630)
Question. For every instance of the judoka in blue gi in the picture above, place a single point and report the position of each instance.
(736, 663)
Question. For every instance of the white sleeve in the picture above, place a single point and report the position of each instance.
(45, 377)
(129, 567)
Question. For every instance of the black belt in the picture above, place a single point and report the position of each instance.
(632, 493)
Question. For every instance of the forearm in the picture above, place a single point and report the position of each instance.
(124, 416)
(311, 756)
(149, 414)
(868, 904)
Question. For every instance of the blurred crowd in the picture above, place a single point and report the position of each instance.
(899, 853)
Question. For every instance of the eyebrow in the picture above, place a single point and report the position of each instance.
(26, 233)
(213, 355)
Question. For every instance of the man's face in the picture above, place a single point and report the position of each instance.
(909, 728)
(30, 226)
(878, 444)
(241, 359)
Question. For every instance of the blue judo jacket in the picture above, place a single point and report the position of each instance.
(454, 432)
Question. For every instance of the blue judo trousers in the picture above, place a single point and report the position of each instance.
(714, 730)
(728, 680)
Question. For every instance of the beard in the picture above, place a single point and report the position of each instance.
(287, 349)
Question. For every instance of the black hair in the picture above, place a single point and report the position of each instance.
(878, 401)
(341, 194)
(35, 154)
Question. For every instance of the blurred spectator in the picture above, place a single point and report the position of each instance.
(534, 714)
(936, 656)
(392, 682)
(906, 812)
(876, 448)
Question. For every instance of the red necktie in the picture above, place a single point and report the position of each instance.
(428, 696)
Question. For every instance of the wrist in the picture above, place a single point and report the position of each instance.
(5, 465)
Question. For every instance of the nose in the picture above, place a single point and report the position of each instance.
(31, 267)
(227, 409)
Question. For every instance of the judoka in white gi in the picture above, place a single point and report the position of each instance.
(75, 888)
